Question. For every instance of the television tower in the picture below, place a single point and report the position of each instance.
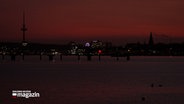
(24, 29)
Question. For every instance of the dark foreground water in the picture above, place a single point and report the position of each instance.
(142, 80)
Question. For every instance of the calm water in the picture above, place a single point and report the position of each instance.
(106, 82)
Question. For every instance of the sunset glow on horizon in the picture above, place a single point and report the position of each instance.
(67, 20)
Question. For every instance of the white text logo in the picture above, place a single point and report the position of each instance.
(24, 94)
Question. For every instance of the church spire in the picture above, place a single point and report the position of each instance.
(151, 39)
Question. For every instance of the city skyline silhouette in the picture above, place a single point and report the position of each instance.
(92, 51)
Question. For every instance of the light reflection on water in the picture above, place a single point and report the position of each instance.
(105, 82)
(36, 58)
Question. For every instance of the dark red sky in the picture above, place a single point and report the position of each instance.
(60, 21)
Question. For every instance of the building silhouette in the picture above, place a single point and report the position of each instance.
(151, 43)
